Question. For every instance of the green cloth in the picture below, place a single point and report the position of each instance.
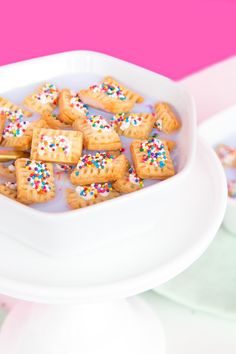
(209, 285)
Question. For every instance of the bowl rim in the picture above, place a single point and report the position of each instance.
(189, 160)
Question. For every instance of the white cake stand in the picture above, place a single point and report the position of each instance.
(92, 314)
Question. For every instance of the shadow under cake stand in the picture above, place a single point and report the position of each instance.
(85, 304)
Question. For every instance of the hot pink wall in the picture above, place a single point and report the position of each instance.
(174, 37)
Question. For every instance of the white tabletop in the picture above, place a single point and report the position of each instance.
(187, 331)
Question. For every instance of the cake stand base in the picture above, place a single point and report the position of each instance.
(118, 327)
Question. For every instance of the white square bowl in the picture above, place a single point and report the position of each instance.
(221, 129)
(74, 232)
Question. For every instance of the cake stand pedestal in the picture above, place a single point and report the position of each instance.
(80, 305)
(123, 326)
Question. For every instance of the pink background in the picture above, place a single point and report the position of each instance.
(174, 38)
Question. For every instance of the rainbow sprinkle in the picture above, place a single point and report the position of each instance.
(47, 94)
(113, 91)
(154, 152)
(100, 124)
(39, 175)
(99, 160)
(15, 129)
(94, 190)
(133, 178)
(13, 116)
(124, 121)
(76, 103)
(50, 144)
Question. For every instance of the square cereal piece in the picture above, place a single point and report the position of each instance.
(98, 134)
(98, 168)
(9, 189)
(18, 134)
(35, 181)
(129, 183)
(110, 96)
(9, 108)
(62, 146)
(134, 125)
(44, 99)
(71, 107)
(152, 159)
(54, 122)
(95, 193)
(166, 119)
(2, 125)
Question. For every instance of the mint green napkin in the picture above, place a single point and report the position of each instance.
(209, 285)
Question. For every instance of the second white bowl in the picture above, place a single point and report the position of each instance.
(221, 129)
